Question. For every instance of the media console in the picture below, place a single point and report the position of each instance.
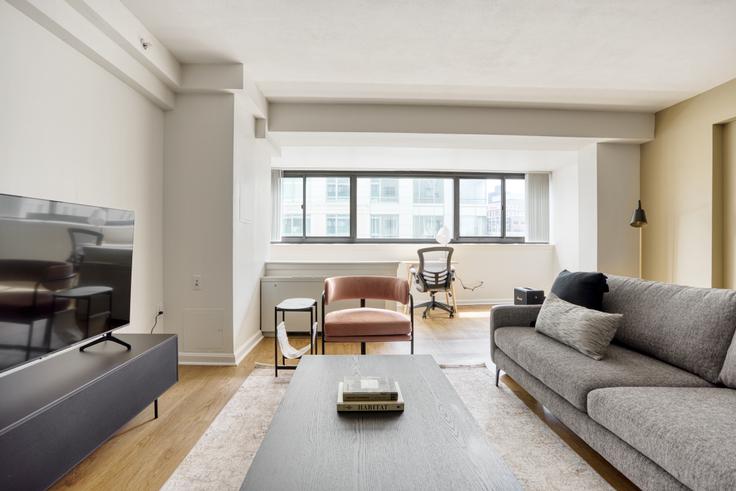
(55, 413)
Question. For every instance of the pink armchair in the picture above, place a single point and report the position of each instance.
(365, 324)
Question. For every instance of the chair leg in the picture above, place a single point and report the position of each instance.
(362, 348)
(412, 343)
(498, 374)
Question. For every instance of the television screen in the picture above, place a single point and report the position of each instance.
(65, 275)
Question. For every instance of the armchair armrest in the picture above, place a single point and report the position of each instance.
(511, 316)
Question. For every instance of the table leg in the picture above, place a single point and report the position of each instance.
(283, 319)
(311, 326)
(275, 342)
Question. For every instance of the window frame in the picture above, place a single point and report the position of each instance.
(354, 175)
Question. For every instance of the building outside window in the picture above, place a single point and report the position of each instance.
(480, 207)
(338, 225)
(327, 206)
(384, 226)
(291, 226)
(515, 208)
(428, 190)
(427, 226)
(384, 190)
(386, 208)
(338, 188)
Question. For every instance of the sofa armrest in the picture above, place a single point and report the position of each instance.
(511, 316)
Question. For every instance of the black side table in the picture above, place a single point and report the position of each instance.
(292, 305)
(87, 293)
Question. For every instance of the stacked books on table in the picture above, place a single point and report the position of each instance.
(369, 394)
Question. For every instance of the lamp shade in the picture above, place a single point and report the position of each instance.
(639, 218)
(443, 236)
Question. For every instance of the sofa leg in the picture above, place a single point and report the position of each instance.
(498, 374)
(362, 348)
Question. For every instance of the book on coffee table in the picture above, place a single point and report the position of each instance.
(369, 389)
(373, 406)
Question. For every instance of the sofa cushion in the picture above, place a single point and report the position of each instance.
(688, 327)
(588, 331)
(581, 288)
(366, 322)
(689, 432)
(573, 375)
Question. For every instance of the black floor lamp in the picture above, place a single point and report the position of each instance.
(638, 220)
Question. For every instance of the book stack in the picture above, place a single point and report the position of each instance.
(369, 394)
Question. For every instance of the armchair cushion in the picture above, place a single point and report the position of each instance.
(366, 322)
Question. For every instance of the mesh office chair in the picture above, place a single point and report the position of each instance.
(435, 274)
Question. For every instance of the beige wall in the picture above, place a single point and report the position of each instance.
(618, 191)
(71, 131)
(728, 155)
(677, 184)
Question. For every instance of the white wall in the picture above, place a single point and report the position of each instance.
(198, 223)
(252, 226)
(439, 159)
(564, 216)
(500, 266)
(588, 209)
(217, 225)
(71, 131)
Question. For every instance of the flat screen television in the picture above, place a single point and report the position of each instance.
(65, 275)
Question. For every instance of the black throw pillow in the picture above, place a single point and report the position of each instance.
(581, 288)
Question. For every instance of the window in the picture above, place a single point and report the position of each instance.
(387, 208)
(384, 190)
(428, 191)
(327, 207)
(338, 225)
(515, 208)
(427, 226)
(292, 192)
(371, 206)
(338, 188)
(384, 226)
(291, 226)
(480, 207)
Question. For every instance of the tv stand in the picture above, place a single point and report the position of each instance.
(56, 412)
(107, 337)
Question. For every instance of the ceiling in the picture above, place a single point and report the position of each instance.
(612, 54)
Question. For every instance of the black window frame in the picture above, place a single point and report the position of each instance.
(354, 175)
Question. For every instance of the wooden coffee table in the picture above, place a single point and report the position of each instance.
(434, 444)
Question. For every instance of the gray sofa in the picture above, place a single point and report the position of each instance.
(661, 405)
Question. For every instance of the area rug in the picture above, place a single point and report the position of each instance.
(538, 457)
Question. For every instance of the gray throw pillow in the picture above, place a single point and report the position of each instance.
(588, 331)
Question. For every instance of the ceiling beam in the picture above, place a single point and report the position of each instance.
(632, 127)
(120, 25)
(70, 26)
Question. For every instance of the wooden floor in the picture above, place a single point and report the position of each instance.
(144, 453)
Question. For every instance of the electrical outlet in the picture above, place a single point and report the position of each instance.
(196, 282)
(161, 308)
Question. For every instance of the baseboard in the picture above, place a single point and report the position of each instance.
(247, 347)
(222, 359)
(486, 301)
